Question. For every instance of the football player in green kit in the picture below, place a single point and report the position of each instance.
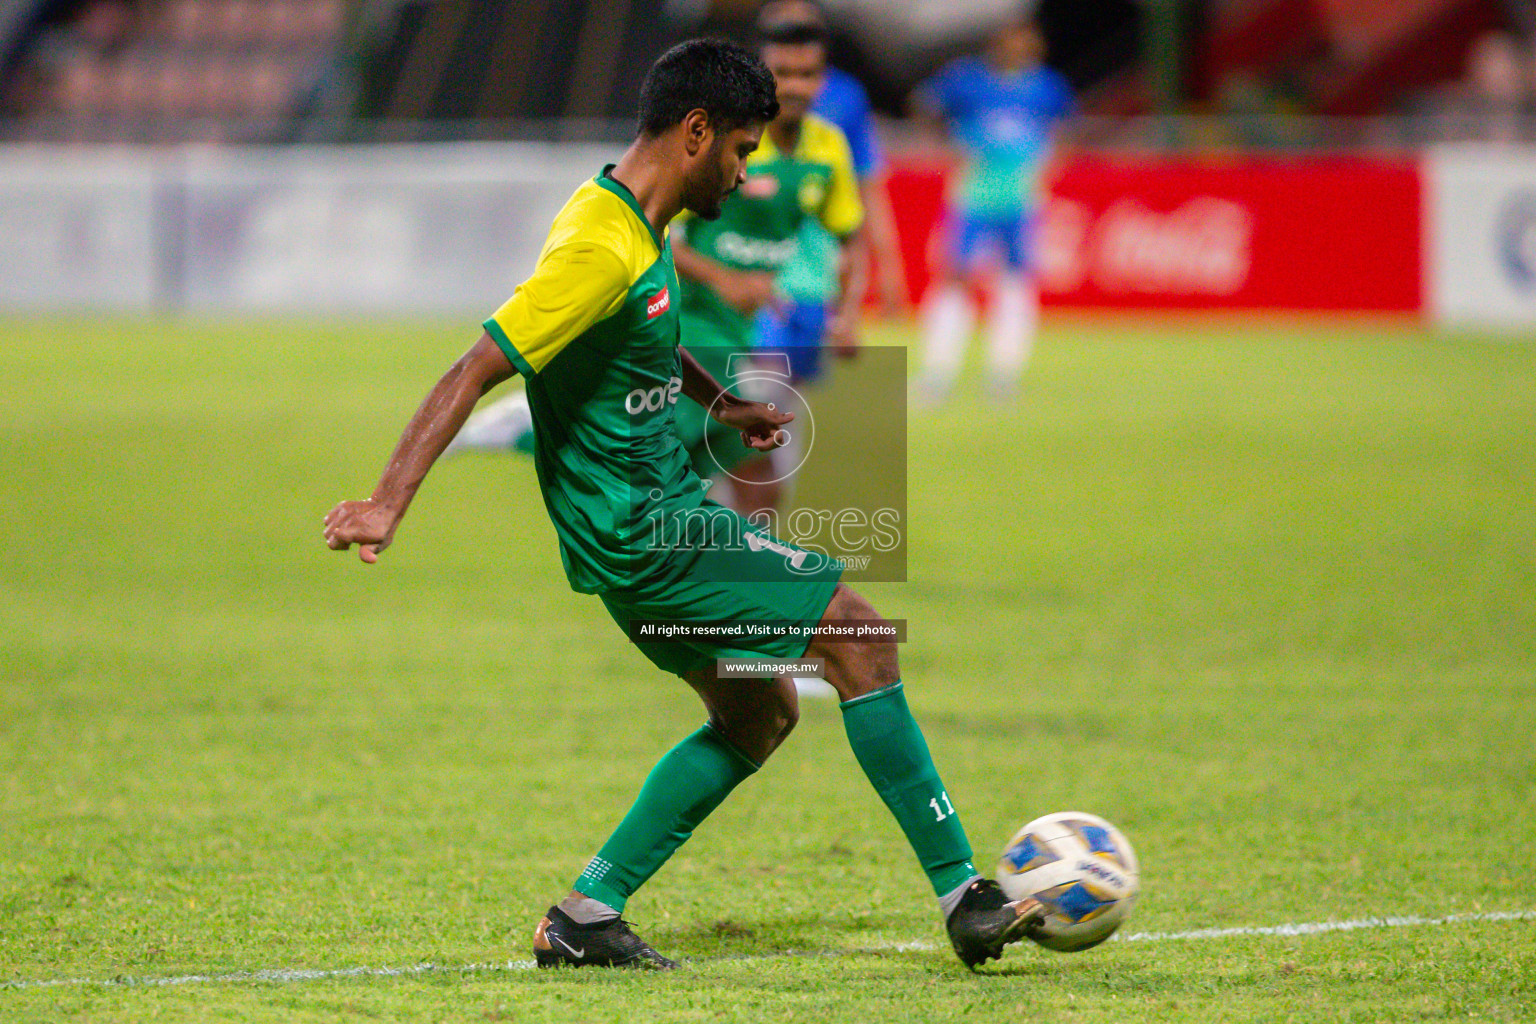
(595, 333)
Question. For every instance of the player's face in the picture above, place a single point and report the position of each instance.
(722, 170)
(799, 70)
(1019, 45)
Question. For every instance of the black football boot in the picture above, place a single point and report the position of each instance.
(985, 921)
(560, 942)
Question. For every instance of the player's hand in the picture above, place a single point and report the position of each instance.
(368, 524)
(842, 336)
(760, 424)
(747, 291)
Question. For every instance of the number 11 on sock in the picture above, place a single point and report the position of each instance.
(940, 813)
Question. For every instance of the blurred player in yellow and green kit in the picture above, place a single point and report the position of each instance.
(730, 268)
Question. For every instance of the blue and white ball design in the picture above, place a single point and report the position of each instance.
(1084, 871)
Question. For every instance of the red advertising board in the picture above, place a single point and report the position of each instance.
(1306, 233)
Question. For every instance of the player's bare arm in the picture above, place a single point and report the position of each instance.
(882, 242)
(746, 291)
(371, 523)
(759, 424)
(853, 276)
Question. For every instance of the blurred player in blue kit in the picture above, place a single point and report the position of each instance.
(1000, 111)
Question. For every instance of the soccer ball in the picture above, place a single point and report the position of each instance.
(1081, 868)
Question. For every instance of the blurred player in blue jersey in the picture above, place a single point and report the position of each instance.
(810, 281)
(1000, 111)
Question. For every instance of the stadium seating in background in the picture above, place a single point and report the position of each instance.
(173, 70)
(490, 61)
(1339, 57)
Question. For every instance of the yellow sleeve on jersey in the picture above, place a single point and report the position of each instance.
(842, 213)
(595, 252)
(574, 286)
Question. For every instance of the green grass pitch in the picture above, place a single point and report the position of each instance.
(1262, 593)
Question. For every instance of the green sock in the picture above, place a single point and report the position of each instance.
(686, 784)
(891, 750)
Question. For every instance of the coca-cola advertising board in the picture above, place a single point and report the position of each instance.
(1250, 233)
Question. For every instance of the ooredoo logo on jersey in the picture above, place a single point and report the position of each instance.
(651, 400)
(659, 304)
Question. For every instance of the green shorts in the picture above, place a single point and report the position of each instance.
(759, 580)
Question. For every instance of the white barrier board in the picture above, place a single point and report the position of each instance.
(1481, 234)
(396, 229)
(80, 233)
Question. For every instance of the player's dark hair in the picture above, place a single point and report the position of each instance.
(766, 5)
(728, 82)
(793, 33)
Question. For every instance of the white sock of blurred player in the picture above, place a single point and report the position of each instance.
(949, 317)
(1012, 322)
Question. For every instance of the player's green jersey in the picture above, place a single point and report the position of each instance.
(595, 331)
(811, 277)
(759, 226)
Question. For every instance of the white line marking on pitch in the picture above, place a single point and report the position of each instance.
(284, 975)
(1319, 927)
(274, 974)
